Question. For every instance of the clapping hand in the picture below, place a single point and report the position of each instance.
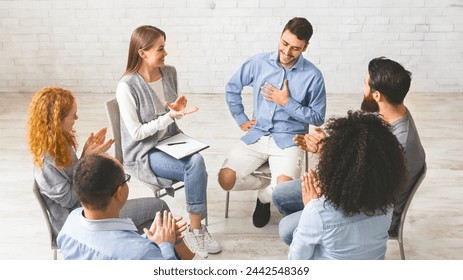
(311, 141)
(179, 228)
(300, 141)
(310, 187)
(96, 143)
(162, 229)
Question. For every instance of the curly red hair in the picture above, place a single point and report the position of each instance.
(48, 108)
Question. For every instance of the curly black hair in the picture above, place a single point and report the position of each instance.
(361, 167)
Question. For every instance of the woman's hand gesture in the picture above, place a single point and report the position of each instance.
(310, 187)
(178, 108)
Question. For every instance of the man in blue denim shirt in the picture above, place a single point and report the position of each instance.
(288, 95)
(97, 232)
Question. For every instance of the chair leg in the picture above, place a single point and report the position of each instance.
(226, 204)
(55, 254)
(401, 246)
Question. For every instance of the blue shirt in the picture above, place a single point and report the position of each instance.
(325, 233)
(306, 105)
(107, 239)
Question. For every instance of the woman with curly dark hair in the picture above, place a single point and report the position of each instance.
(349, 197)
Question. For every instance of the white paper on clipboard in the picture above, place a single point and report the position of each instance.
(181, 145)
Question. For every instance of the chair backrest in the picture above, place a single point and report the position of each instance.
(410, 197)
(112, 111)
(46, 215)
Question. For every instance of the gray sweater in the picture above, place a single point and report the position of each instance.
(56, 186)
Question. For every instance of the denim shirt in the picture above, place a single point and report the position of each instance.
(306, 105)
(325, 233)
(107, 239)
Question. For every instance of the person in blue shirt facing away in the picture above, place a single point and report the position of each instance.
(288, 96)
(349, 197)
(96, 230)
(385, 87)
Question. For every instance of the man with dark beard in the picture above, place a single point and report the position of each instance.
(385, 86)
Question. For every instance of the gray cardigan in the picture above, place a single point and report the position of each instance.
(56, 186)
(149, 107)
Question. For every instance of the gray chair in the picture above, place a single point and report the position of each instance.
(400, 230)
(112, 111)
(114, 117)
(43, 206)
(264, 173)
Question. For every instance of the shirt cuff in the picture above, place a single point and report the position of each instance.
(167, 251)
(241, 118)
(164, 121)
(291, 105)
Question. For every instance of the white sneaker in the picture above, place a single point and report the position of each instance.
(195, 241)
(197, 257)
(212, 246)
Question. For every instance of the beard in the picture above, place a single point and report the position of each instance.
(369, 104)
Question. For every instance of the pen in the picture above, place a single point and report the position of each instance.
(176, 143)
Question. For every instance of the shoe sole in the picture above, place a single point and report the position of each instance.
(214, 252)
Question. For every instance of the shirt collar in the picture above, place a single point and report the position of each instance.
(107, 224)
(394, 123)
(298, 65)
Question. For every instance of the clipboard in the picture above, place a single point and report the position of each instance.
(180, 146)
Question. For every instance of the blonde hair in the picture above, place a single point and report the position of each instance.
(48, 108)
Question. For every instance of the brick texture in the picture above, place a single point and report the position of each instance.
(83, 44)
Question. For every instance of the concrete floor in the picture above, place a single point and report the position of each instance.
(434, 226)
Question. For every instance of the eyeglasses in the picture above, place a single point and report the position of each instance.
(127, 179)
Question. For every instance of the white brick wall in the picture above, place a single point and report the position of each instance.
(82, 44)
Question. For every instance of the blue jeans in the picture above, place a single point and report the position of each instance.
(191, 170)
(287, 197)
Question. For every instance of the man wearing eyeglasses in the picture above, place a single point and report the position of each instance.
(97, 231)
